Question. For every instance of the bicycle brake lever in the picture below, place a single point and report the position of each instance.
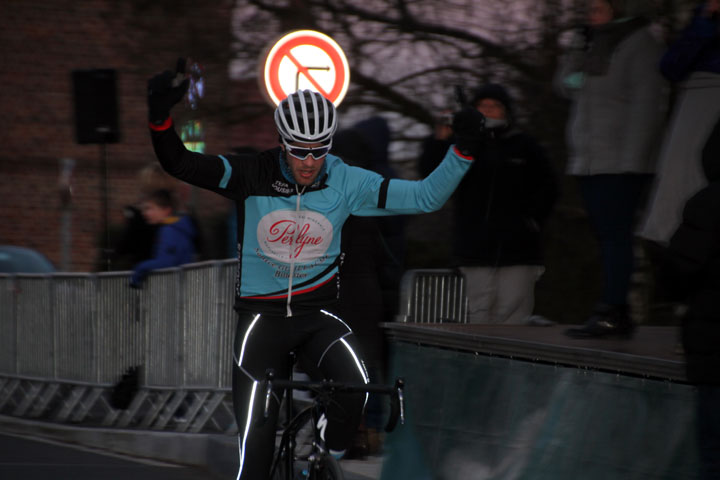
(401, 399)
(397, 406)
(400, 386)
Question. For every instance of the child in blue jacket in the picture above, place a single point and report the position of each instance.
(175, 240)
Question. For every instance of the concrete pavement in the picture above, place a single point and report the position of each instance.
(26, 458)
(32, 450)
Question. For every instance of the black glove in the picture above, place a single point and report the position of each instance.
(468, 126)
(163, 94)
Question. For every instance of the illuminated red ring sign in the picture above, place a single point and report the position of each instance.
(306, 59)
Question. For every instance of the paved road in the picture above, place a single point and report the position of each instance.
(22, 458)
(26, 458)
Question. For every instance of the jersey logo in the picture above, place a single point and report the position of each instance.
(281, 187)
(286, 235)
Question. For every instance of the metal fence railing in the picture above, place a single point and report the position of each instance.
(89, 327)
(66, 339)
(433, 296)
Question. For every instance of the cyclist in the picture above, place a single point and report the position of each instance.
(292, 201)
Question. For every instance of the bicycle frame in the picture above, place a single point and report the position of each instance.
(288, 443)
(324, 390)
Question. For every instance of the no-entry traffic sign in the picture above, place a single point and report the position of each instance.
(306, 59)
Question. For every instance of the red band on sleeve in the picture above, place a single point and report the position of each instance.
(163, 126)
(461, 155)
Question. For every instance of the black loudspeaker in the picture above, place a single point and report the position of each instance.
(96, 110)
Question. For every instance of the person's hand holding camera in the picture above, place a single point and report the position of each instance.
(468, 125)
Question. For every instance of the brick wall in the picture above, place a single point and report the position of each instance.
(41, 43)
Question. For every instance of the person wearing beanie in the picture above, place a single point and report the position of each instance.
(618, 102)
(500, 208)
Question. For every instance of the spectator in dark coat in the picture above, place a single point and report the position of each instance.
(500, 208)
(135, 242)
(375, 132)
(136, 239)
(697, 49)
(692, 274)
(362, 299)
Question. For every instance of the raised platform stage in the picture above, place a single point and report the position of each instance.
(510, 402)
(652, 352)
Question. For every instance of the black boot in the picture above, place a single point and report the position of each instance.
(605, 321)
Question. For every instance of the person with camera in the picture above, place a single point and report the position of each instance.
(292, 202)
(500, 208)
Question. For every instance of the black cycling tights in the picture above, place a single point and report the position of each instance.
(325, 348)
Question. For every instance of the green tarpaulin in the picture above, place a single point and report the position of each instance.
(474, 417)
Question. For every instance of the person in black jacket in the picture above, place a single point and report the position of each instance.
(499, 211)
(691, 274)
(375, 132)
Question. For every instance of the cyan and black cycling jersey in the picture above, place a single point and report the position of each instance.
(289, 235)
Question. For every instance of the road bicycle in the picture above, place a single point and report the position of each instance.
(301, 453)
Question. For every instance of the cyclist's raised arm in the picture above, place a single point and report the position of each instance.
(399, 197)
(383, 196)
(214, 172)
(430, 193)
(220, 173)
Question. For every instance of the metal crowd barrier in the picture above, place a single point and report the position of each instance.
(433, 296)
(66, 339)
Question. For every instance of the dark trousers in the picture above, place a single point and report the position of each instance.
(325, 348)
(611, 202)
(708, 431)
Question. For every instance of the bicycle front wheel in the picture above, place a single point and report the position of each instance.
(327, 469)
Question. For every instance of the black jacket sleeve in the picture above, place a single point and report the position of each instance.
(217, 173)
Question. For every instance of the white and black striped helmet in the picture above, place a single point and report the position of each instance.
(306, 116)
